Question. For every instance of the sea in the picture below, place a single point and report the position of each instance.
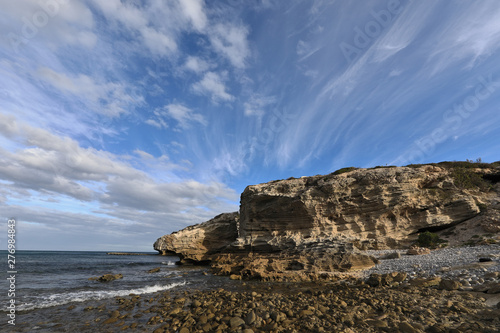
(46, 280)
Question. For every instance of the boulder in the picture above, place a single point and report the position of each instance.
(107, 277)
(417, 251)
(195, 244)
(392, 255)
(448, 284)
(425, 282)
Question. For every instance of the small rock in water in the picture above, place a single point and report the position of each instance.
(107, 277)
(154, 270)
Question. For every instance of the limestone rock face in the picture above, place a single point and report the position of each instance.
(312, 225)
(196, 243)
(373, 208)
(312, 261)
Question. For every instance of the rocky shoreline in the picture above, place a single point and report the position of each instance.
(319, 227)
(423, 293)
(342, 307)
(344, 252)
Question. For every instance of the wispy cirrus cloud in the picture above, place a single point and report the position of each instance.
(109, 98)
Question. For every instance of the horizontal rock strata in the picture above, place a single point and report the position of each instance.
(196, 243)
(317, 224)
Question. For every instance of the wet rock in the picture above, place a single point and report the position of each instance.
(377, 323)
(392, 255)
(425, 282)
(405, 327)
(494, 288)
(154, 270)
(235, 322)
(485, 259)
(448, 284)
(415, 250)
(108, 277)
(110, 320)
(250, 318)
(376, 280)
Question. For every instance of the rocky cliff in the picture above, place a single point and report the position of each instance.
(378, 208)
(196, 244)
(316, 224)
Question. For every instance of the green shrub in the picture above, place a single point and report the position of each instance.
(415, 166)
(466, 178)
(344, 170)
(482, 207)
(429, 239)
(384, 167)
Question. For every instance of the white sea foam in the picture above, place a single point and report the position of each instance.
(82, 296)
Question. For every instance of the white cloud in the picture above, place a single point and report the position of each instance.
(180, 113)
(196, 64)
(57, 22)
(158, 42)
(472, 33)
(184, 115)
(143, 154)
(58, 166)
(193, 9)
(231, 41)
(311, 73)
(107, 98)
(395, 72)
(212, 84)
(128, 14)
(256, 105)
(158, 123)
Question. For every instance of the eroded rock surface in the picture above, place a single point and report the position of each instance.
(374, 208)
(198, 242)
(314, 225)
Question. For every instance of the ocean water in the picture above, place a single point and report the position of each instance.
(46, 279)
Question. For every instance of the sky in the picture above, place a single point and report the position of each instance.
(124, 120)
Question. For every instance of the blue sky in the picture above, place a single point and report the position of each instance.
(121, 121)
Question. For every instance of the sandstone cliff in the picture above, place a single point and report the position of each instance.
(378, 208)
(196, 243)
(316, 224)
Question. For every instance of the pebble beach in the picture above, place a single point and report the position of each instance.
(424, 301)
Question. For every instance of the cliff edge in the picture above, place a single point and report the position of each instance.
(310, 226)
